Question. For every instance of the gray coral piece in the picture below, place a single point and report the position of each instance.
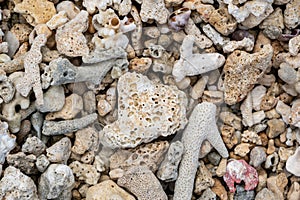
(62, 71)
(66, 126)
(202, 126)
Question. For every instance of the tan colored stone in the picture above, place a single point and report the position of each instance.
(229, 136)
(275, 128)
(36, 11)
(242, 149)
(204, 179)
(219, 189)
(223, 22)
(242, 71)
(107, 190)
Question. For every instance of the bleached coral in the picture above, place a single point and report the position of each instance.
(162, 113)
(31, 79)
(191, 64)
(201, 126)
(7, 141)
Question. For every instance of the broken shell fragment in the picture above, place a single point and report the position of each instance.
(179, 18)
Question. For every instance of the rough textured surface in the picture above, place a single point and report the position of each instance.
(86, 139)
(149, 155)
(85, 172)
(107, 190)
(168, 169)
(154, 9)
(69, 38)
(33, 145)
(36, 12)
(201, 126)
(204, 179)
(242, 71)
(26, 163)
(60, 151)
(7, 141)
(31, 79)
(62, 127)
(142, 183)
(163, 112)
(16, 185)
(56, 182)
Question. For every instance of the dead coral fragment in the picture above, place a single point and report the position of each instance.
(154, 9)
(191, 64)
(62, 127)
(242, 71)
(202, 126)
(36, 11)
(31, 78)
(69, 38)
(146, 110)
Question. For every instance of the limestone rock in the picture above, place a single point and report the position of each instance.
(87, 139)
(54, 99)
(56, 182)
(204, 179)
(60, 151)
(26, 163)
(33, 145)
(16, 185)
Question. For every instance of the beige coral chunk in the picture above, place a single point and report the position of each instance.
(142, 183)
(204, 179)
(150, 155)
(85, 172)
(223, 22)
(294, 192)
(87, 139)
(57, 20)
(242, 71)
(154, 9)
(31, 78)
(146, 110)
(107, 190)
(242, 149)
(292, 14)
(69, 38)
(36, 11)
